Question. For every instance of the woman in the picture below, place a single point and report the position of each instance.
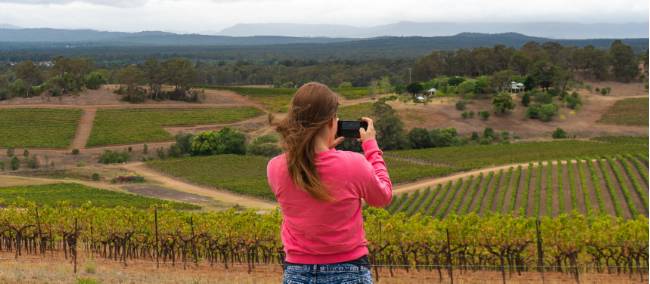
(320, 189)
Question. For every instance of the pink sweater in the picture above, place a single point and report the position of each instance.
(314, 232)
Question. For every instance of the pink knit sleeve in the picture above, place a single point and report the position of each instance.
(373, 180)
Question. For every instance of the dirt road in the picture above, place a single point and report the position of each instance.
(216, 194)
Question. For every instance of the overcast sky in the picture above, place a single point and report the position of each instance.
(214, 15)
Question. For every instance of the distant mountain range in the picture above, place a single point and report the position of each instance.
(45, 43)
(47, 35)
(555, 30)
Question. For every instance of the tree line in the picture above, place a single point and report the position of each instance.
(543, 65)
(619, 62)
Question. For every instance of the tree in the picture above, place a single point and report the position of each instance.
(179, 72)
(502, 103)
(94, 80)
(153, 75)
(443, 137)
(559, 133)
(390, 129)
(414, 88)
(131, 76)
(225, 141)
(573, 101)
(500, 81)
(624, 63)
(484, 114)
(29, 73)
(543, 112)
(419, 138)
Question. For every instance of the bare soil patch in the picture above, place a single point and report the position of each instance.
(54, 269)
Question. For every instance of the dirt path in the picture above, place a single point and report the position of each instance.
(431, 182)
(84, 128)
(216, 194)
(10, 180)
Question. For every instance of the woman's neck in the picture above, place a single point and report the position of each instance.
(321, 145)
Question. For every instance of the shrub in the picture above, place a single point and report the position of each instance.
(75, 151)
(466, 87)
(475, 136)
(145, 149)
(604, 91)
(128, 179)
(174, 151)
(505, 136)
(489, 133)
(559, 133)
(15, 163)
(265, 145)
(502, 103)
(94, 80)
(95, 176)
(32, 162)
(460, 105)
(112, 157)
(542, 112)
(443, 137)
(419, 138)
(484, 114)
(25, 153)
(465, 114)
(525, 99)
(471, 114)
(10, 152)
(455, 80)
(225, 141)
(542, 97)
(573, 101)
(184, 142)
(160, 152)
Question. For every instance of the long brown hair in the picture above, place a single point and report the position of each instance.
(312, 107)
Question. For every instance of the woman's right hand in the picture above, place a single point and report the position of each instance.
(367, 134)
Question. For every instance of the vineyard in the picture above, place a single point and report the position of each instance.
(43, 128)
(616, 185)
(76, 195)
(477, 156)
(127, 126)
(633, 111)
(277, 99)
(247, 174)
(568, 243)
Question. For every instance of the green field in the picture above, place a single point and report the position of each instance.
(354, 112)
(278, 99)
(37, 127)
(615, 185)
(127, 126)
(247, 174)
(478, 156)
(633, 111)
(77, 195)
(240, 174)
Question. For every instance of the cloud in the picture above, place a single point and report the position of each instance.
(114, 3)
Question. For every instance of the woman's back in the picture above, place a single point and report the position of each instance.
(314, 231)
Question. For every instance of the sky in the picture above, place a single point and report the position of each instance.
(210, 16)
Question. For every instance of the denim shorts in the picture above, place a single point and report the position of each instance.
(339, 273)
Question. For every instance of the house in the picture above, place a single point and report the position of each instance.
(516, 87)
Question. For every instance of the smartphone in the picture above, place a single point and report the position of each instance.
(350, 128)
